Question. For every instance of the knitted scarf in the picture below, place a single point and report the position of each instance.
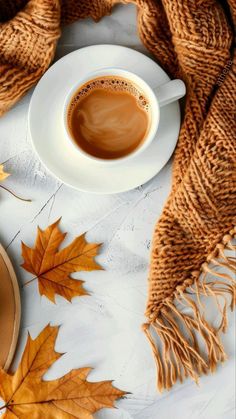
(192, 40)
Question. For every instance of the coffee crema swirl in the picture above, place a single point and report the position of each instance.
(109, 117)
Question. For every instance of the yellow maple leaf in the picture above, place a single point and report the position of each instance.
(3, 175)
(27, 396)
(53, 267)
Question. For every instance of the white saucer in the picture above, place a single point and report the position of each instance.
(46, 130)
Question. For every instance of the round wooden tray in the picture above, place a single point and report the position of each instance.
(10, 310)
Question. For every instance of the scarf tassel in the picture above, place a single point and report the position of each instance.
(184, 343)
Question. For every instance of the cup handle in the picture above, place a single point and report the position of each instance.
(170, 91)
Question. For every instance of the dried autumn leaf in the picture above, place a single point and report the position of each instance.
(53, 267)
(3, 175)
(26, 395)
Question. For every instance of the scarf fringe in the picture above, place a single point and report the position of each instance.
(187, 345)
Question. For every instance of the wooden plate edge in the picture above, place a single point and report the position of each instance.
(17, 299)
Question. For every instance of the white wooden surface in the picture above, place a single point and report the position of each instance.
(103, 330)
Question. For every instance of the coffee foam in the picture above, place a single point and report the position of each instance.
(112, 83)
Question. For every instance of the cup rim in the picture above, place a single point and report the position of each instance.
(113, 71)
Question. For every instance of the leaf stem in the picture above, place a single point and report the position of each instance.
(28, 282)
(16, 196)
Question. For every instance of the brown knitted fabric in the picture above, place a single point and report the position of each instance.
(27, 46)
(191, 40)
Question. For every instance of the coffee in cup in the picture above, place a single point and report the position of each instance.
(109, 117)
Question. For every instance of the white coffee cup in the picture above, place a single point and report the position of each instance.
(156, 97)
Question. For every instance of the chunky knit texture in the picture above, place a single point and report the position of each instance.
(192, 40)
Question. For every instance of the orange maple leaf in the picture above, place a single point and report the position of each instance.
(3, 175)
(26, 395)
(53, 267)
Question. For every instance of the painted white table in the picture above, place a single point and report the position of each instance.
(103, 330)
